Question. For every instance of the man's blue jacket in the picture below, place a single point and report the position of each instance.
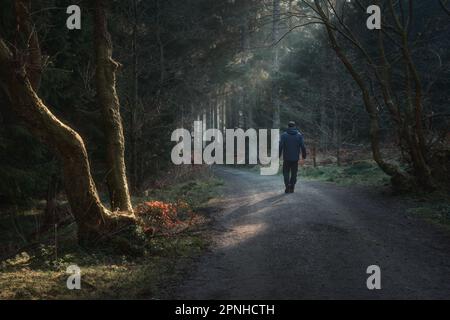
(291, 143)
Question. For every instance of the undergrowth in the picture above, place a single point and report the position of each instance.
(170, 221)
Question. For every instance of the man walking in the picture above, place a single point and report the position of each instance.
(291, 143)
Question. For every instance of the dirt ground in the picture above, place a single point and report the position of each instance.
(316, 243)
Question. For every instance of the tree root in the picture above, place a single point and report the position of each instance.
(117, 231)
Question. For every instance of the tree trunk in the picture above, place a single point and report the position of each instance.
(162, 60)
(94, 221)
(314, 154)
(135, 128)
(400, 179)
(49, 217)
(444, 6)
(275, 64)
(28, 38)
(20, 74)
(338, 142)
(109, 104)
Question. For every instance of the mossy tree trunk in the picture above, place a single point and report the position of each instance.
(19, 78)
(109, 103)
(408, 124)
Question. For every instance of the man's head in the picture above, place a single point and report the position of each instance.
(291, 124)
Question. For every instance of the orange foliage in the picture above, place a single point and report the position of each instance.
(163, 217)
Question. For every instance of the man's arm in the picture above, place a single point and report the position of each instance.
(302, 147)
(280, 148)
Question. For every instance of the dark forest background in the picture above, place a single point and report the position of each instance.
(86, 118)
(214, 60)
(240, 64)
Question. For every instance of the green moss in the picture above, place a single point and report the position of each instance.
(360, 173)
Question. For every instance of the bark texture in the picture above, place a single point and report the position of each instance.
(20, 74)
(93, 219)
(400, 179)
(110, 106)
(275, 62)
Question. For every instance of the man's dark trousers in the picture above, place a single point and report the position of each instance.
(290, 167)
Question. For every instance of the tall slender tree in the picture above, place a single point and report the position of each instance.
(109, 103)
(20, 69)
(275, 63)
(407, 120)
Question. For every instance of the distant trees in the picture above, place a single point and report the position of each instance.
(394, 74)
(397, 74)
(242, 63)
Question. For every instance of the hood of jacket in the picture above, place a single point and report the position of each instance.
(292, 131)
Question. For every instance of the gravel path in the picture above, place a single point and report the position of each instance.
(316, 243)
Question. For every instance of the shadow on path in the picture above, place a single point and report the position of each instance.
(316, 243)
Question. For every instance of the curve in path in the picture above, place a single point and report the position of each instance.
(316, 243)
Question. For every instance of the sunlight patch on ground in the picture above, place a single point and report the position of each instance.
(241, 233)
(251, 199)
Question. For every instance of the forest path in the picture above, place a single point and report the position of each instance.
(316, 243)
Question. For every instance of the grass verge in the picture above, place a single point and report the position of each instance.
(360, 173)
(365, 172)
(39, 270)
(434, 208)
